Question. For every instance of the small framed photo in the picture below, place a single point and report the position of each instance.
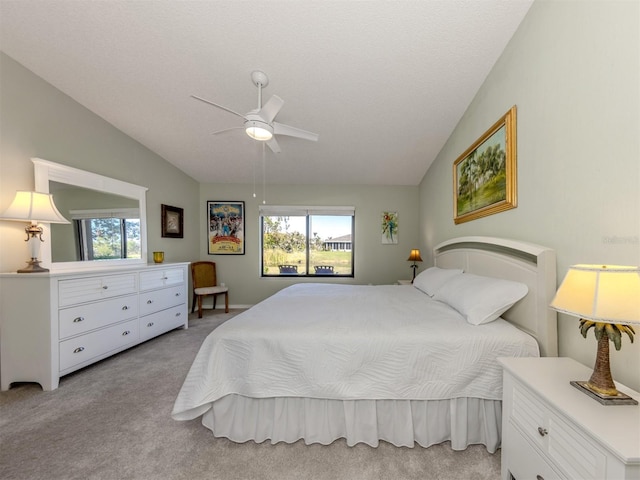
(225, 227)
(172, 222)
(484, 176)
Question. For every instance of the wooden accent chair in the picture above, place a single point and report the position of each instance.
(203, 276)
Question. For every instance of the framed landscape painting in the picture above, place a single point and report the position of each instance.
(484, 176)
(225, 228)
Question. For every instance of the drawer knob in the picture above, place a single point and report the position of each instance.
(542, 431)
(78, 350)
(178, 314)
(178, 294)
(126, 332)
(78, 319)
(104, 287)
(539, 477)
(165, 278)
(125, 308)
(150, 324)
(149, 302)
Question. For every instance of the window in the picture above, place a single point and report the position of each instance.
(307, 241)
(107, 235)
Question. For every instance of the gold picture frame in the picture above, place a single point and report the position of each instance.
(484, 176)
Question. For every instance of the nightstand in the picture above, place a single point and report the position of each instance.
(404, 282)
(552, 430)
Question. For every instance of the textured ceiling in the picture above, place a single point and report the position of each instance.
(383, 83)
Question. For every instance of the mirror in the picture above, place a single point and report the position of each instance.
(108, 219)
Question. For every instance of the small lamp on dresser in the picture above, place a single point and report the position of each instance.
(414, 257)
(607, 298)
(33, 207)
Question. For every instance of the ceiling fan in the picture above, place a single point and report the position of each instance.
(259, 123)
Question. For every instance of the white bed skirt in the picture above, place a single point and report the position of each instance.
(403, 423)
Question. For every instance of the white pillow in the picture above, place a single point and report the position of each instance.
(433, 278)
(480, 299)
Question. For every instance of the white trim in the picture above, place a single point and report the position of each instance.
(292, 210)
(46, 171)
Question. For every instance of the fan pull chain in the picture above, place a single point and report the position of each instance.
(264, 175)
(253, 163)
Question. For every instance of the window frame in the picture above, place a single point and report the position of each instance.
(307, 212)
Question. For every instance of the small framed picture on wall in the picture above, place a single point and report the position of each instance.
(172, 222)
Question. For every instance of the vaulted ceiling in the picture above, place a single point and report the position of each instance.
(383, 83)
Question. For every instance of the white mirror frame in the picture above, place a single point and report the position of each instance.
(46, 171)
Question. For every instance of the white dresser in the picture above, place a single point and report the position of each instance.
(52, 324)
(552, 430)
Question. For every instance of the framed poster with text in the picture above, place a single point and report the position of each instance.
(225, 227)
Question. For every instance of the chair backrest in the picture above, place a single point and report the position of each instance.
(324, 269)
(203, 274)
(288, 268)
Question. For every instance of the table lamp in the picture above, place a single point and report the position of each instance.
(414, 257)
(607, 298)
(33, 207)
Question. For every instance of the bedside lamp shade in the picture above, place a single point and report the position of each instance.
(606, 298)
(33, 207)
(609, 294)
(414, 257)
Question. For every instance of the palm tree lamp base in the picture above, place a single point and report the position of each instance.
(600, 386)
(619, 399)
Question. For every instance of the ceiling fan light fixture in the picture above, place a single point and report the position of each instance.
(259, 130)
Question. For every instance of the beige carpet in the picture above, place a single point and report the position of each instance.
(112, 421)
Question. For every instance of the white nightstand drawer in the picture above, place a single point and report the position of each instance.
(573, 452)
(83, 318)
(85, 347)
(531, 416)
(528, 464)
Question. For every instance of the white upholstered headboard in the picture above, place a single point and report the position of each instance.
(530, 264)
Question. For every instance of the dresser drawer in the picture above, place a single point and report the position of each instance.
(526, 463)
(162, 299)
(158, 278)
(90, 289)
(83, 318)
(81, 349)
(571, 452)
(163, 321)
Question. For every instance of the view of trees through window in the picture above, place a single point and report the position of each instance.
(109, 238)
(307, 245)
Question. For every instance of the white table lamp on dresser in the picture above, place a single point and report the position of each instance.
(34, 208)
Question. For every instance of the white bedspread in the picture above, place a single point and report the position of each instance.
(348, 342)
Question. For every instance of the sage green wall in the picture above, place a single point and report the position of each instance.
(374, 262)
(572, 69)
(37, 120)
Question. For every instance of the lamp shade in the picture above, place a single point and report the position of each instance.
(414, 256)
(33, 207)
(601, 293)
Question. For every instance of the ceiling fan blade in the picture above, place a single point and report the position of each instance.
(273, 145)
(281, 129)
(225, 130)
(270, 109)
(216, 105)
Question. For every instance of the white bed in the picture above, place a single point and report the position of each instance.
(366, 363)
